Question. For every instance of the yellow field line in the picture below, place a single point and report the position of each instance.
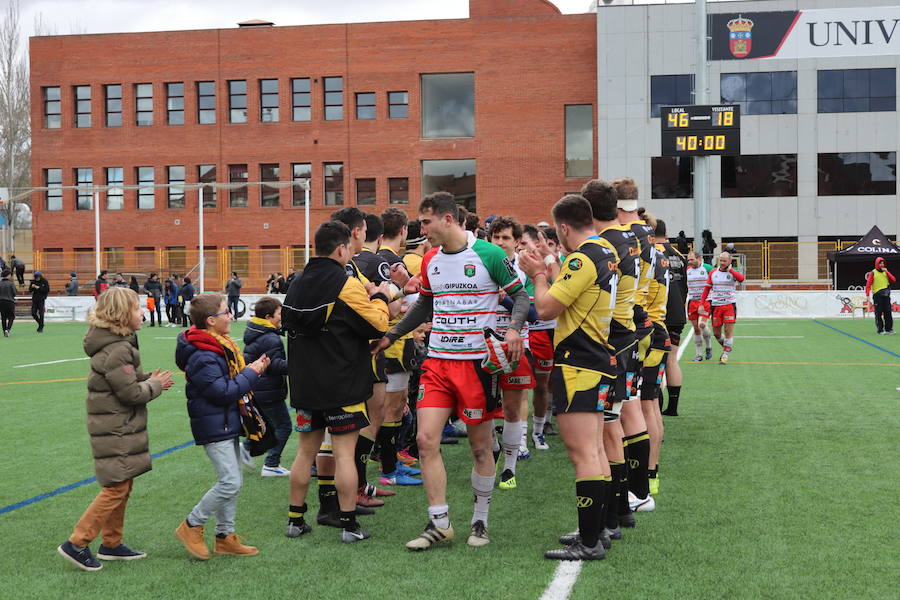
(814, 364)
(43, 381)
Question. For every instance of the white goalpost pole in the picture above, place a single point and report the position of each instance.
(202, 251)
(306, 214)
(96, 233)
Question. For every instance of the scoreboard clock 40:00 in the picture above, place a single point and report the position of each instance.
(701, 130)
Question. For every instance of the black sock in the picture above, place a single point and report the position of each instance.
(614, 502)
(589, 500)
(363, 449)
(328, 498)
(348, 520)
(295, 514)
(674, 392)
(651, 473)
(387, 438)
(637, 452)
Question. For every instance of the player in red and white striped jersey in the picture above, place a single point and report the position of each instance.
(721, 290)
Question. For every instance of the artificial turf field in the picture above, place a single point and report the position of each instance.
(778, 480)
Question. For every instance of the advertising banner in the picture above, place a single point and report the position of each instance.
(862, 31)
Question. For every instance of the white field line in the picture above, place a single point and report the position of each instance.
(567, 572)
(165, 338)
(52, 362)
(564, 579)
(771, 337)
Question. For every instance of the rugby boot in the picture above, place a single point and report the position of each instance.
(478, 536)
(431, 535)
(507, 480)
(577, 551)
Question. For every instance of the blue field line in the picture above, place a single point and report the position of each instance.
(78, 484)
(849, 335)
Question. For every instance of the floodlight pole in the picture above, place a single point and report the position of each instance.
(305, 185)
(97, 233)
(202, 248)
(701, 163)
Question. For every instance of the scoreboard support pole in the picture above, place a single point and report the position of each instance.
(701, 163)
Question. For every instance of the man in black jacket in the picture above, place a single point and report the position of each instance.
(186, 295)
(154, 290)
(330, 319)
(39, 288)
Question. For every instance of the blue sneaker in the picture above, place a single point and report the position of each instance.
(396, 478)
(408, 471)
(78, 556)
(120, 552)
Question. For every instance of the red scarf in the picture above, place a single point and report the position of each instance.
(203, 340)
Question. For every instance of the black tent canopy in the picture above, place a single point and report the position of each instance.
(850, 265)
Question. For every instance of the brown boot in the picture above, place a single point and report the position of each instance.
(231, 544)
(192, 538)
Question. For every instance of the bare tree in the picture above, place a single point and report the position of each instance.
(15, 126)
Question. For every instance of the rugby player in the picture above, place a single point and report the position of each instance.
(697, 275)
(721, 289)
(506, 233)
(675, 322)
(330, 318)
(416, 247)
(582, 299)
(603, 200)
(461, 281)
(540, 341)
(637, 439)
(397, 364)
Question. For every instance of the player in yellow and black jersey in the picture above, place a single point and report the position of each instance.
(582, 299)
(603, 200)
(634, 427)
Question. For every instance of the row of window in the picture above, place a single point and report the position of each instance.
(775, 93)
(205, 91)
(455, 176)
(762, 175)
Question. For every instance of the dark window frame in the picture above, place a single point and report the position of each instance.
(115, 192)
(269, 195)
(444, 130)
(82, 117)
(113, 115)
(333, 98)
(366, 195)
(268, 112)
(398, 110)
(363, 109)
(570, 160)
(52, 107)
(203, 111)
(209, 192)
(175, 195)
(682, 187)
(334, 184)
(84, 193)
(682, 91)
(146, 191)
(761, 101)
(301, 99)
(235, 99)
(174, 115)
(854, 95)
(298, 194)
(748, 174)
(143, 117)
(53, 196)
(238, 196)
(398, 190)
(853, 184)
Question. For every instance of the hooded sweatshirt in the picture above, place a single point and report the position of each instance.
(878, 281)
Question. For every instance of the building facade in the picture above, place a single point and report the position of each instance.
(819, 122)
(498, 108)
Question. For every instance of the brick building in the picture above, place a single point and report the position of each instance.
(499, 108)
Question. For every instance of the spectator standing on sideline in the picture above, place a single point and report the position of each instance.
(39, 288)
(270, 284)
(233, 291)
(72, 286)
(878, 290)
(280, 284)
(2, 264)
(709, 246)
(118, 394)
(290, 277)
(120, 281)
(19, 267)
(134, 286)
(171, 294)
(681, 243)
(184, 307)
(154, 296)
(7, 301)
(262, 336)
(100, 285)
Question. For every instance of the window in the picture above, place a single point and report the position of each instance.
(177, 259)
(672, 177)
(239, 259)
(454, 176)
(398, 105)
(175, 103)
(858, 173)
(206, 102)
(53, 181)
(115, 259)
(857, 90)
(334, 184)
(143, 104)
(269, 194)
(115, 193)
(207, 174)
(175, 179)
(670, 90)
(759, 175)
(237, 101)
(113, 94)
(365, 192)
(299, 172)
(146, 199)
(237, 196)
(268, 100)
(398, 190)
(772, 93)
(579, 140)
(301, 104)
(448, 105)
(334, 98)
(82, 106)
(365, 105)
(84, 198)
(52, 108)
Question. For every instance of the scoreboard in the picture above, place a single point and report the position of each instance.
(701, 130)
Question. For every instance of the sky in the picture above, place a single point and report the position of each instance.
(109, 16)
